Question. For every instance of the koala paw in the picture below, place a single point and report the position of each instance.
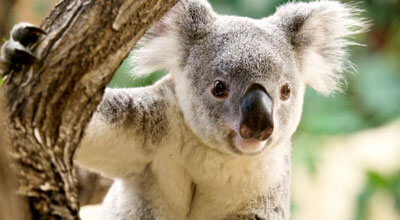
(245, 217)
(15, 52)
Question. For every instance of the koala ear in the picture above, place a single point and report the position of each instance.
(318, 33)
(167, 43)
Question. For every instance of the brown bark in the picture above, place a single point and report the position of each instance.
(51, 102)
(12, 207)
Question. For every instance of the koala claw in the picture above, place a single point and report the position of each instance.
(14, 52)
(245, 217)
(26, 33)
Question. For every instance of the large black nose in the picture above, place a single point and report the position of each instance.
(256, 116)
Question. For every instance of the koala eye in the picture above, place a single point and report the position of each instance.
(219, 89)
(285, 92)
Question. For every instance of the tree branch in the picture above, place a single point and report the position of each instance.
(51, 102)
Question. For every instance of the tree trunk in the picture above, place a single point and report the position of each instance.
(51, 102)
(12, 207)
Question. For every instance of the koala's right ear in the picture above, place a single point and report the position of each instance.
(167, 43)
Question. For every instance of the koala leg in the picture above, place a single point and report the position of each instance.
(15, 52)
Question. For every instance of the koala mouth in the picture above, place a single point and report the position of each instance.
(247, 146)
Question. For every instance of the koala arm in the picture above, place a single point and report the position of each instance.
(127, 129)
(129, 125)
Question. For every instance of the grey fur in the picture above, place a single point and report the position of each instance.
(147, 118)
(174, 148)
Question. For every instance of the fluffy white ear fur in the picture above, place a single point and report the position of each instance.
(318, 32)
(165, 45)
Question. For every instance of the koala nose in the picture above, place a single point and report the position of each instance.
(256, 116)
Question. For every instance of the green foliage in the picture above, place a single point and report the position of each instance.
(378, 89)
(333, 115)
(371, 99)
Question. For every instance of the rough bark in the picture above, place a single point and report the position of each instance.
(12, 206)
(51, 102)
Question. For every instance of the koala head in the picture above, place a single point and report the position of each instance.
(240, 82)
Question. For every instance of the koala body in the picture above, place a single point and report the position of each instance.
(178, 151)
(175, 175)
(211, 140)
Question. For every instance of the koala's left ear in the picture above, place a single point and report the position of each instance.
(318, 32)
(167, 43)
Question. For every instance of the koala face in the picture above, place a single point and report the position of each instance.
(240, 82)
(237, 55)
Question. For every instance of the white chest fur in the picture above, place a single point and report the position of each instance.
(199, 183)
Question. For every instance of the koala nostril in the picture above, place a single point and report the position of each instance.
(245, 132)
(265, 134)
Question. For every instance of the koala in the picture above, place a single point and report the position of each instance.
(212, 139)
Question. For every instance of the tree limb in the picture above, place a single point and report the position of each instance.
(51, 102)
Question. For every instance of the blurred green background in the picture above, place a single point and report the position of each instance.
(371, 101)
